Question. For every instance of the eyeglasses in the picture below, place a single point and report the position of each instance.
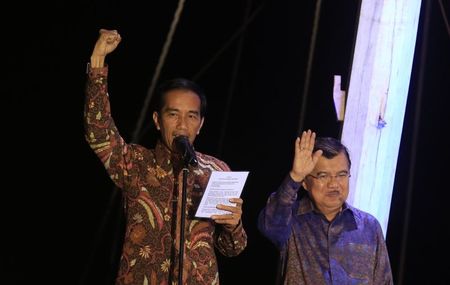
(326, 177)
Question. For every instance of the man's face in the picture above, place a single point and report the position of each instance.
(180, 115)
(328, 184)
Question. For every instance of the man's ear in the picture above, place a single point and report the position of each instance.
(305, 185)
(156, 120)
(201, 125)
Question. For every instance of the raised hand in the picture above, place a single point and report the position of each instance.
(107, 42)
(304, 159)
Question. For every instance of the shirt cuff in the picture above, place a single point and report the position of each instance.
(96, 71)
(291, 183)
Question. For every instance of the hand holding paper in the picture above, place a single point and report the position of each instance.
(221, 200)
(233, 217)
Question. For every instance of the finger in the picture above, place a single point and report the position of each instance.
(223, 218)
(297, 146)
(102, 31)
(308, 140)
(110, 35)
(113, 38)
(233, 218)
(227, 222)
(316, 156)
(312, 140)
(232, 210)
(237, 201)
(305, 141)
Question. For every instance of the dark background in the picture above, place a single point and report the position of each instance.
(61, 218)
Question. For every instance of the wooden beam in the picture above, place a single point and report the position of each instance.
(376, 101)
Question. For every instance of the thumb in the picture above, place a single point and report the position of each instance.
(316, 156)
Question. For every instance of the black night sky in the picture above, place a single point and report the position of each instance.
(61, 214)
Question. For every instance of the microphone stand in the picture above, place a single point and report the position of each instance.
(183, 147)
(182, 220)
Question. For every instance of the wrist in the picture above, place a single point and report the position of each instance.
(232, 228)
(296, 177)
(97, 61)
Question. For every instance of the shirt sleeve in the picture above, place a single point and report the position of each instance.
(101, 132)
(231, 243)
(275, 219)
(382, 270)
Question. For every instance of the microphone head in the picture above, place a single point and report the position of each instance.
(179, 144)
(184, 147)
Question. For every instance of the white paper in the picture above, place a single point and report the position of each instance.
(222, 186)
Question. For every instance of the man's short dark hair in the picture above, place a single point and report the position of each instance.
(180, 84)
(331, 147)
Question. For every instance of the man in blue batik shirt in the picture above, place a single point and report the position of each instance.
(321, 238)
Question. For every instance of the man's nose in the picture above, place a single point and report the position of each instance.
(181, 124)
(333, 179)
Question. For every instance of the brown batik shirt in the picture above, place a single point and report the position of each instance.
(151, 186)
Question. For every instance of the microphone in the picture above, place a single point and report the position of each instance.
(184, 147)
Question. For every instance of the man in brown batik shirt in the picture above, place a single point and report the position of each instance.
(151, 180)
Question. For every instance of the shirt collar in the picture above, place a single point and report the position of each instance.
(163, 155)
(307, 206)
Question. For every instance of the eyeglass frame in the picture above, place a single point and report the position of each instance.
(326, 177)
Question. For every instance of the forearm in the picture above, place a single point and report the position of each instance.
(97, 113)
(97, 61)
(275, 219)
(100, 130)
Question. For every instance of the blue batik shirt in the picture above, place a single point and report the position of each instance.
(348, 250)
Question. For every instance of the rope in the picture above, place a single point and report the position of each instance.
(217, 55)
(155, 78)
(444, 17)
(312, 48)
